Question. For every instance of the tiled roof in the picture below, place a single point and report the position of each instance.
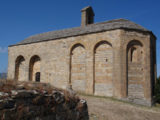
(92, 28)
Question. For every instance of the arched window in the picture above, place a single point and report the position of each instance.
(34, 68)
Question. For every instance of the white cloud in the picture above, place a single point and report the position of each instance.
(3, 49)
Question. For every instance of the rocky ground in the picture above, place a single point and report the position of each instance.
(35, 101)
(101, 108)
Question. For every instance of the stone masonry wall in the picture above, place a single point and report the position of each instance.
(36, 68)
(135, 71)
(103, 69)
(92, 63)
(78, 68)
(21, 72)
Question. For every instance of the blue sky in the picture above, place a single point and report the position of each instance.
(22, 18)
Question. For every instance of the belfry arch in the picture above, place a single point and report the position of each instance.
(20, 68)
(103, 62)
(34, 68)
(78, 67)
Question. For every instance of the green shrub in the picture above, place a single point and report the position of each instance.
(157, 90)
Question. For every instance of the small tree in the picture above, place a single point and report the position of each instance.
(157, 90)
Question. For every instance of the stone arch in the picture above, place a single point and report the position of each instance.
(78, 67)
(135, 69)
(20, 68)
(103, 66)
(34, 68)
(133, 51)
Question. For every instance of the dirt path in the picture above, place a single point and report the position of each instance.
(107, 109)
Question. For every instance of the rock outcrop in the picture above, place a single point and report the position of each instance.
(36, 101)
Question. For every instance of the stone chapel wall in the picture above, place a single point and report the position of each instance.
(105, 64)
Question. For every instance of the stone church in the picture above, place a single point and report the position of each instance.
(116, 58)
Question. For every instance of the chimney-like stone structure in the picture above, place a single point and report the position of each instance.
(87, 16)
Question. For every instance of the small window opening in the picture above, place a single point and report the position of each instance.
(37, 77)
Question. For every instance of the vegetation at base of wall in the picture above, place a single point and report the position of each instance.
(39, 101)
(157, 91)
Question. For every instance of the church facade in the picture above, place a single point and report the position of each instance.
(116, 58)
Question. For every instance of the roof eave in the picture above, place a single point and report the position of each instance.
(142, 31)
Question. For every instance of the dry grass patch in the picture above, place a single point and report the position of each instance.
(105, 108)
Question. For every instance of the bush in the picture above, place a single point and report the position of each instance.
(157, 90)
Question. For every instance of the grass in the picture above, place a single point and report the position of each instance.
(155, 107)
(109, 108)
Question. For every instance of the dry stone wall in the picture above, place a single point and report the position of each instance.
(34, 101)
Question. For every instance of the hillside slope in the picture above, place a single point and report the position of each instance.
(109, 109)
